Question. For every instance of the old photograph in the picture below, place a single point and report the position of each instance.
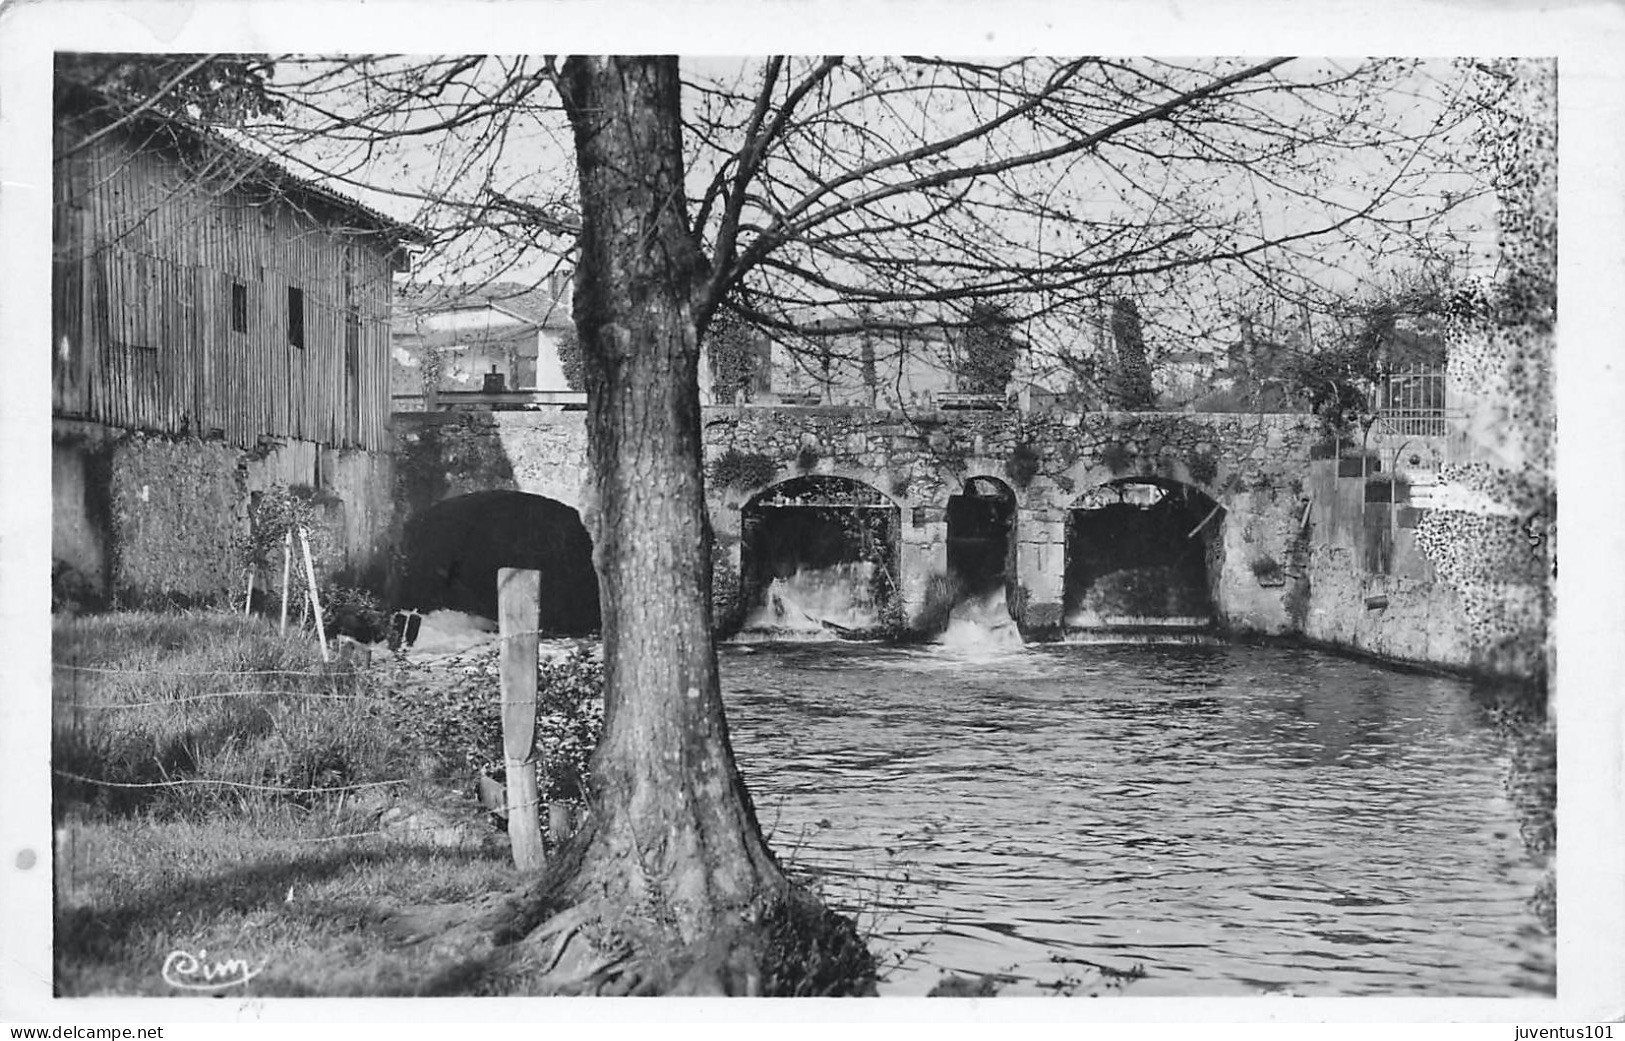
(789, 525)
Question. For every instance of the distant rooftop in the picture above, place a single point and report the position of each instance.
(532, 303)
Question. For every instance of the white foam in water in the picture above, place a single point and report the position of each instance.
(449, 631)
(817, 604)
(1109, 636)
(981, 625)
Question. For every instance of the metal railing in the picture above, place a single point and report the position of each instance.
(1411, 402)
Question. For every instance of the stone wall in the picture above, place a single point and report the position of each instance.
(1286, 554)
(1458, 582)
(1249, 464)
(146, 520)
(1401, 613)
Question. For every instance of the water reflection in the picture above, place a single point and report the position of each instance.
(1233, 820)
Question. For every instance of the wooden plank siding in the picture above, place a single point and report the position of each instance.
(144, 263)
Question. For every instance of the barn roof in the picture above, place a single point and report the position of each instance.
(222, 157)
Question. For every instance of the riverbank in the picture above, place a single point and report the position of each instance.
(260, 805)
(218, 788)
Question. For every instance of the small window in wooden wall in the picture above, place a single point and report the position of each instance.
(296, 316)
(239, 308)
(352, 376)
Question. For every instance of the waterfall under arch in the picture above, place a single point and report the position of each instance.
(1142, 551)
(819, 557)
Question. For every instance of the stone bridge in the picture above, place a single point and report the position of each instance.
(1081, 518)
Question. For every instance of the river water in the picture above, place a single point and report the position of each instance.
(1146, 820)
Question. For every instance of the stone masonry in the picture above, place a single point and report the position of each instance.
(1252, 465)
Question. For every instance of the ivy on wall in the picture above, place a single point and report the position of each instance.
(174, 510)
(1500, 560)
(987, 350)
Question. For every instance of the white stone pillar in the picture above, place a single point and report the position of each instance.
(1041, 565)
(922, 553)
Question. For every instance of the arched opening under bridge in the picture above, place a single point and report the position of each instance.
(454, 549)
(819, 556)
(982, 551)
(1142, 552)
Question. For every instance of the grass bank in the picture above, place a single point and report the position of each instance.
(218, 789)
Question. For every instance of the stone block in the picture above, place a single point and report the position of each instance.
(1043, 615)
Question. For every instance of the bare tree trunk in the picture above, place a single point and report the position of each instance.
(673, 867)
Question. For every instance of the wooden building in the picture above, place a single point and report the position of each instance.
(208, 303)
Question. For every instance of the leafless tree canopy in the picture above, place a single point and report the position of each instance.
(829, 193)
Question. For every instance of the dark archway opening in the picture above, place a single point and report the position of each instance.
(981, 536)
(454, 548)
(1138, 553)
(819, 555)
(981, 555)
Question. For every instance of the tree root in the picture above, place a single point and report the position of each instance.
(794, 947)
(579, 929)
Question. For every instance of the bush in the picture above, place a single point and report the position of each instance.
(1203, 467)
(356, 613)
(942, 592)
(461, 724)
(1334, 382)
(1022, 466)
(1116, 457)
(736, 469)
(569, 721)
(272, 514)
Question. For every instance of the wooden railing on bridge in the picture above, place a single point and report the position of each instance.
(496, 400)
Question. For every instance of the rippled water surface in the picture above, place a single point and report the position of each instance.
(1231, 820)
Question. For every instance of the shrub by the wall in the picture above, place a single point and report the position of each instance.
(1022, 465)
(736, 469)
(1202, 467)
(942, 592)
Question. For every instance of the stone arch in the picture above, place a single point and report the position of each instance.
(563, 487)
(454, 548)
(820, 554)
(1142, 552)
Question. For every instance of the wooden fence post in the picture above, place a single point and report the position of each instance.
(518, 614)
(287, 560)
(315, 601)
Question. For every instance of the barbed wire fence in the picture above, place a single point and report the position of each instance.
(69, 698)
